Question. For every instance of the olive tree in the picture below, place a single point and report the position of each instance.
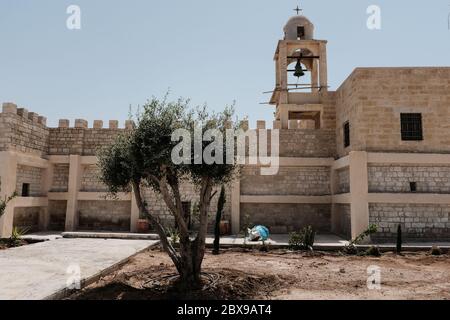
(142, 158)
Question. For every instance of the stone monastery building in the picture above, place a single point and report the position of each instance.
(377, 151)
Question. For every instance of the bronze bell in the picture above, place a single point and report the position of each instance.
(298, 70)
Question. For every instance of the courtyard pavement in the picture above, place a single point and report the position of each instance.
(42, 270)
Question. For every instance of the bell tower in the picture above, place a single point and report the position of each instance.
(301, 75)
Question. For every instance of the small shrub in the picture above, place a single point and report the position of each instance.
(303, 240)
(174, 235)
(436, 251)
(309, 236)
(351, 248)
(16, 236)
(295, 241)
(373, 251)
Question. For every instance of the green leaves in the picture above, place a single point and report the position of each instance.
(144, 154)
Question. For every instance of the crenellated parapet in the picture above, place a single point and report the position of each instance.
(23, 131)
(9, 108)
(84, 138)
(96, 124)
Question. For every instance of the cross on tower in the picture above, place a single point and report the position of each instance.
(298, 10)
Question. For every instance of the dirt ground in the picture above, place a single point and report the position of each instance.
(241, 274)
(5, 244)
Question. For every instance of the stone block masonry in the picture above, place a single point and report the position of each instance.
(104, 215)
(31, 176)
(289, 181)
(60, 181)
(428, 179)
(284, 218)
(334, 187)
(418, 221)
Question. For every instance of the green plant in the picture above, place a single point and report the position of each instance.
(174, 235)
(220, 206)
(309, 236)
(295, 241)
(245, 227)
(436, 251)
(373, 251)
(150, 155)
(303, 240)
(351, 248)
(16, 236)
(399, 239)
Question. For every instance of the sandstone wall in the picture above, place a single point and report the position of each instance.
(27, 218)
(310, 181)
(90, 181)
(60, 178)
(57, 215)
(23, 131)
(343, 181)
(419, 222)
(104, 215)
(398, 178)
(342, 220)
(373, 99)
(32, 176)
(284, 218)
(189, 194)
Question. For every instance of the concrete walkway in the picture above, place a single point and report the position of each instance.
(41, 271)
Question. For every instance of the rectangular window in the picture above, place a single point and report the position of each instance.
(413, 186)
(300, 32)
(411, 124)
(347, 134)
(25, 190)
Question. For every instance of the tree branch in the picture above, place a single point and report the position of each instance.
(167, 246)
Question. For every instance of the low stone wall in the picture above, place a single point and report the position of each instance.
(104, 215)
(310, 181)
(32, 176)
(57, 215)
(27, 218)
(284, 218)
(419, 222)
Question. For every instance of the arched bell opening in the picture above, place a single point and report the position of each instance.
(302, 71)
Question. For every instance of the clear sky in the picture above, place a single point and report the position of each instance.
(209, 50)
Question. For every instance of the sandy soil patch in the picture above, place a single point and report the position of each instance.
(241, 274)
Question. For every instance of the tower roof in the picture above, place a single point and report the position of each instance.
(291, 29)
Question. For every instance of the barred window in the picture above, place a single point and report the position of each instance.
(347, 134)
(411, 124)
